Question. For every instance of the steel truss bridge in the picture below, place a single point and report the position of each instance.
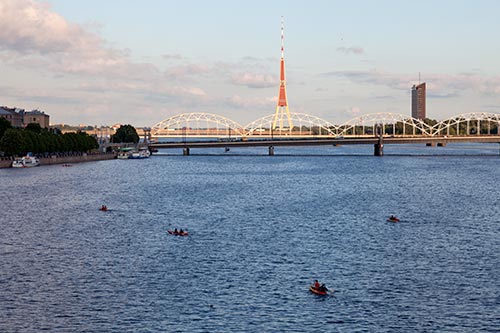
(309, 130)
(207, 125)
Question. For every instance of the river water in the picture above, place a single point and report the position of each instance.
(261, 228)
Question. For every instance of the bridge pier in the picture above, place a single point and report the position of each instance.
(378, 148)
(185, 151)
(271, 151)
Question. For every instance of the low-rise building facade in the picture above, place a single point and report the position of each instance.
(20, 118)
(36, 117)
(13, 115)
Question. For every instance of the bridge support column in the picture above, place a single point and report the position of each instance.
(185, 151)
(271, 151)
(378, 148)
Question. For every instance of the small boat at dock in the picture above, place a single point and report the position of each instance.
(131, 153)
(140, 154)
(27, 161)
(124, 154)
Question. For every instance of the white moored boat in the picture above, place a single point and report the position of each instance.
(131, 153)
(26, 162)
(142, 153)
(124, 153)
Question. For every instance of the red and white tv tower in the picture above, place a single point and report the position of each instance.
(282, 106)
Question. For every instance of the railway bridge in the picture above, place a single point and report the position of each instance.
(205, 130)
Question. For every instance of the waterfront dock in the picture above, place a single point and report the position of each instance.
(69, 159)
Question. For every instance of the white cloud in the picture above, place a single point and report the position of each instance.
(73, 73)
(33, 36)
(182, 71)
(30, 27)
(251, 72)
(438, 85)
(354, 111)
(249, 103)
(353, 50)
(253, 80)
(173, 56)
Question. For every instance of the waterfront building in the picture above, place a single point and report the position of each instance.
(418, 101)
(12, 115)
(37, 117)
(20, 118)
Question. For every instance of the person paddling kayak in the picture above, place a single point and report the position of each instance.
(176, 232)
(393, 218)
(318, 289)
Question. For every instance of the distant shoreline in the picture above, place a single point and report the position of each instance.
(6, 163)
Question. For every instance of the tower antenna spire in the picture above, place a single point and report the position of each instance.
(282, 110)
(282, 39)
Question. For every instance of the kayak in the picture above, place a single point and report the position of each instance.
(393, 220)
(317, 291)
(184, 233)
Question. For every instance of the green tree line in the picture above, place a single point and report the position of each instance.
(33, 138)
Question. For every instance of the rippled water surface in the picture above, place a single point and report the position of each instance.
(260, 230)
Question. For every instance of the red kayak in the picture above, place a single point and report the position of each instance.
(184, 233)
(394, 219)
(317, 291)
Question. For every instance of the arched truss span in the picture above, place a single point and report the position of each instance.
(475, 123)
(212, 125)
(199, 124)
(303, 124)
(392, 124)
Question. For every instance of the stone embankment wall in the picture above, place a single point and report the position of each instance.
(7, 162)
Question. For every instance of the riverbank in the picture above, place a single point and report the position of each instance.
(7, 162)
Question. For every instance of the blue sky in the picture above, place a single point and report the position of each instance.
(139, 62)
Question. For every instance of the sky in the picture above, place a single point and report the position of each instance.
(139, 62)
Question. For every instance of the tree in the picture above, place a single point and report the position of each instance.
(12, 142)
(4, 125)
(430, 122)
(126, 133)
(34, 127)
(20, 141)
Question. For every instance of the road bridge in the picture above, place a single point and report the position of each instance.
(377, 142)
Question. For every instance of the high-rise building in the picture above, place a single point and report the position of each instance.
(418, 101)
